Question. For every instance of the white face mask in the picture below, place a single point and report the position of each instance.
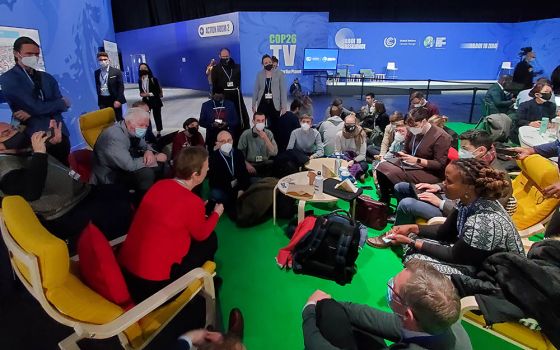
(305, 126)
(103, 64)
(30, 61)
(399, 137)
(259, 126)
(226, 148)
(415, 131)
(464, 154)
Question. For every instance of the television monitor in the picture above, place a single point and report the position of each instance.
(320, 59)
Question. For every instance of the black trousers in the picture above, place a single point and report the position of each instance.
(335, 327)
(199, 252)
(60, 151)
(108, 101)
(156, 112)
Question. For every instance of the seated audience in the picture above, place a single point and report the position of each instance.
(497, 100)
(295, 89)
(329, 129)
(170, 234)
(258, 146)
(122, 156)
(440, 121)
(369, 108)
(288, 123)
(64, 204)
(216, 115)
(400, 132)
(149, 137)
(523, 95)
(426, 314)
(424, 157)
(378, 119)
(306, 140)
(306, 106)
(228, 177)
(189, 137)
(337, 102)
(389, 133)
(478, 228)
(426, 201)
(351, 142)
(531, 112)
(418, 100)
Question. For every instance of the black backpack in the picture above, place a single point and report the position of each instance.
(330, 249)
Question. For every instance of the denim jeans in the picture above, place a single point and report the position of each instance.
(409, 208)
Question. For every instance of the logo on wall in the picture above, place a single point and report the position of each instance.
(283, 46)
(346, 40)
(480, 46)
(438, 42)
(215, 29)
(390, 41)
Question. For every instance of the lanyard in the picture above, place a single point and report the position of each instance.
(415, 149)
(218, 110)
(268, 85)
(228, 75)
(103, 77)
(41, 96)
(232, 168)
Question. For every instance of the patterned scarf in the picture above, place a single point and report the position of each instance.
(357, 135)
(490, 156)
(463, 212)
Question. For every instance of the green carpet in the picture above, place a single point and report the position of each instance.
(272, 299)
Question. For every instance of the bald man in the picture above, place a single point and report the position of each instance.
(228, 174)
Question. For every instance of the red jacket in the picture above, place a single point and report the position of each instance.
(160, 235)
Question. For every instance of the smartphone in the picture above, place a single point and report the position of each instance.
(367, 187)
(506, 152)
(210, 206)
(50, 134)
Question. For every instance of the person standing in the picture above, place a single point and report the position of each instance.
(226, 76)
(151, 93)
(269, 94)
(208, 73)
(34, 96)
(109, 85)
(524, 73)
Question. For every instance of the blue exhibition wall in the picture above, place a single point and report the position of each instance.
(544, 37)
(178, 53)
(70, 33)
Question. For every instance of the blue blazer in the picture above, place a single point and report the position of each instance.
(18, 90)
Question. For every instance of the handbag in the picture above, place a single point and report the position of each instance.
(371, 213)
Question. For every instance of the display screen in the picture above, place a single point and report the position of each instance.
(320, 59)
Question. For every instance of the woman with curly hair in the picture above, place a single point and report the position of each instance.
(478, 228)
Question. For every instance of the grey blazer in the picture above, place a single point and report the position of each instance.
(278, 87)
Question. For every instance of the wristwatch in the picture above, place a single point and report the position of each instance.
(412, 244)
(418, 160)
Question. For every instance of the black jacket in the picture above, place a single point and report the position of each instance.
(154, 88)
(114, 83)
(220, 176)
(531, 111)
(523, 74)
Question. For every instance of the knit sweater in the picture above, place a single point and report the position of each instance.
(309, 142)
(342, 144)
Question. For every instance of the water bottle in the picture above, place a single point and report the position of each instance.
(337, 164)
(544, 125)
(344, 173)
(318, 183)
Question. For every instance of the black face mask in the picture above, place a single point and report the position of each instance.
(350, 128)
(268, 67)
(18, 141)
(144, 72)
(224, 61)
(218, 98)
(546, 96)
(192, 131)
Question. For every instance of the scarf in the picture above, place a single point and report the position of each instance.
(463, 212)
(490, 156)
(357, 135)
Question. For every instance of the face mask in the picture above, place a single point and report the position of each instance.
(305, 126)
(31, 62)
(399, 137)
(140, 132)
(259, 126)
(464, 154)
(224, 61)
(18, 141)
(218, 98)
(350, 128)
(268, 67)
(103, 64)
(546, 96)
(144, 72)
(192, 131)
(226, 148)
(415, 131)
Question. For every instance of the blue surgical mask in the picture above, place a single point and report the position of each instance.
(464, 154)
(140, 132)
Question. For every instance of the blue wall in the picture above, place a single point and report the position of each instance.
(544, 37)
(166, 46)
(70, 33)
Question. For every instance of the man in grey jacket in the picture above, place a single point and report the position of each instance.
(426, 315)
(121, 155)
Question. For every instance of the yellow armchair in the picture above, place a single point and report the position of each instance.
(41, 262)
(93, 123)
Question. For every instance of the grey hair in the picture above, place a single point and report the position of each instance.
(135, 114)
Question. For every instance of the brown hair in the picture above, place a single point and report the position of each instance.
(536, 89)
(189, 161)
(335, 110)
(380, 107)
(488, 182)
(416, 115)
(416, 94)
(396, 116)
(431, 296)
(102, 54)
(438, 120)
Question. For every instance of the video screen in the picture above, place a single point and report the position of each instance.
(320, 59)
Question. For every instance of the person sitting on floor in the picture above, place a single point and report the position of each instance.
(329, 128)
(379, 152)
(426, 201)
(523, 95)
(376, 122)
(122, 156)
(288, 123)
(440, 121)
(351, 142)
(258, 146)
(338, 103)
(424, 157)
(170, 234)
(426, 314)
(189, 137)
(478, 228)
(533, 111)
(216, 115)
(64, 204)
(399, 136)
(369, 108)
(418, 100)
(306, 139)
(228, 175)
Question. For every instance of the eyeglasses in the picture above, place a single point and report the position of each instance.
(392, 294)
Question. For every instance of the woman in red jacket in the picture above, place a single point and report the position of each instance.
(170, 234)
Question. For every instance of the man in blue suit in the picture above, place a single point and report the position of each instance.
(34, 96)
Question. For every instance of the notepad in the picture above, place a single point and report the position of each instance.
(347, 186)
